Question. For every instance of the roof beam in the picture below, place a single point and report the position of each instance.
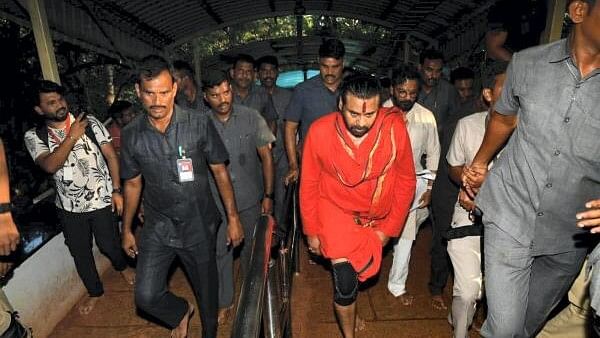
(211, 12)
(43, 40)
(113, 8)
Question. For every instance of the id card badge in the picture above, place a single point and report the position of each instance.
(67, 173)
(185, 169)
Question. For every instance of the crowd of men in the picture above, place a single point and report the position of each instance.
(507, 174)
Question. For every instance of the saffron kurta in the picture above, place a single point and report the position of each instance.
(347, 191)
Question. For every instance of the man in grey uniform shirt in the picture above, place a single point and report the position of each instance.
(247, 93)
(188, 95)
(244, 133)
(268, 71)
(548, 173)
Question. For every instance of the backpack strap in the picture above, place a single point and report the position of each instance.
(92, 136)
(42, 133)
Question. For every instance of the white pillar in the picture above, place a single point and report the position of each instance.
(554, 21)
(43, 39)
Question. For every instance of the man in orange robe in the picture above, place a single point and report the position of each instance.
(357, 183)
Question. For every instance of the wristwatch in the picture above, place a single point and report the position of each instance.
(5, 207)
(117, 190)
(269, 196)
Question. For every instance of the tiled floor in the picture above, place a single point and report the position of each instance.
(312, 310)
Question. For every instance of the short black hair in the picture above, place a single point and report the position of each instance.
(268, 59)
(496, 68)
(430, 54)
(118, 107)
(404, 73)
(360, 85)
(243, 58)
(332, 48)
(151, 66)
(184, 67)
(461, 73)
(213, 78)
(44, 87)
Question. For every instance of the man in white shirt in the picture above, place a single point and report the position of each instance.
(465, 252)
(424, 140)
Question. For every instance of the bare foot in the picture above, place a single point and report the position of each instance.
(128, 275)
(437, 302)
(224, 314)
(88, 305)
(181, 330)
(406, 299)
(360, 325)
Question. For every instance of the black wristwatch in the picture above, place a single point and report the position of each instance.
(117, 190)
(5, 207)
(269, 196)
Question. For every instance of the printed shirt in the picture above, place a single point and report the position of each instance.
(91, 186)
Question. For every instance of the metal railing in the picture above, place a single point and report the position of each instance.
(266, 291)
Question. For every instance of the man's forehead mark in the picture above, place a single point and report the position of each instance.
(364, 108)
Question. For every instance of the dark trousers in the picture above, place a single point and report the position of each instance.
(79, 229)
(440, 261)
(151, 290)
(279, 189)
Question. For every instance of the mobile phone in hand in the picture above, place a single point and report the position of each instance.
(83, 114)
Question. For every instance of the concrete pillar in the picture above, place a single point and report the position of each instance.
(43, 39)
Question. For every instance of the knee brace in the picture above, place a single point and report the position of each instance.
(345, 284)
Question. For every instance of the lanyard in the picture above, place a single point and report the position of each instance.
(67, 130)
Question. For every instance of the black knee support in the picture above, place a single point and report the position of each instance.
(345, 284)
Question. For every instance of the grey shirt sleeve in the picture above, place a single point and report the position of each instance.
(508, 104)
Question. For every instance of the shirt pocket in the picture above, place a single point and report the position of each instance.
(246, 148)
(586, 143)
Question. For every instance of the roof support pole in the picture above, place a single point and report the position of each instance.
(43, 39)
(197, 65)
(554, 20)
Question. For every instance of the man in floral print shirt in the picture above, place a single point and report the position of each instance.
(86, 177)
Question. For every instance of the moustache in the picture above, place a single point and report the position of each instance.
(158, 107)
(224, 105)
(358, 131)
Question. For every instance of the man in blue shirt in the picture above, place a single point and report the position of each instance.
(312, 99)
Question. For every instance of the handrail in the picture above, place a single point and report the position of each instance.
(266, 292)
(249, 310)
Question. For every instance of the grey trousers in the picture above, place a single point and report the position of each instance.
(248, 217)
(522, 289)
